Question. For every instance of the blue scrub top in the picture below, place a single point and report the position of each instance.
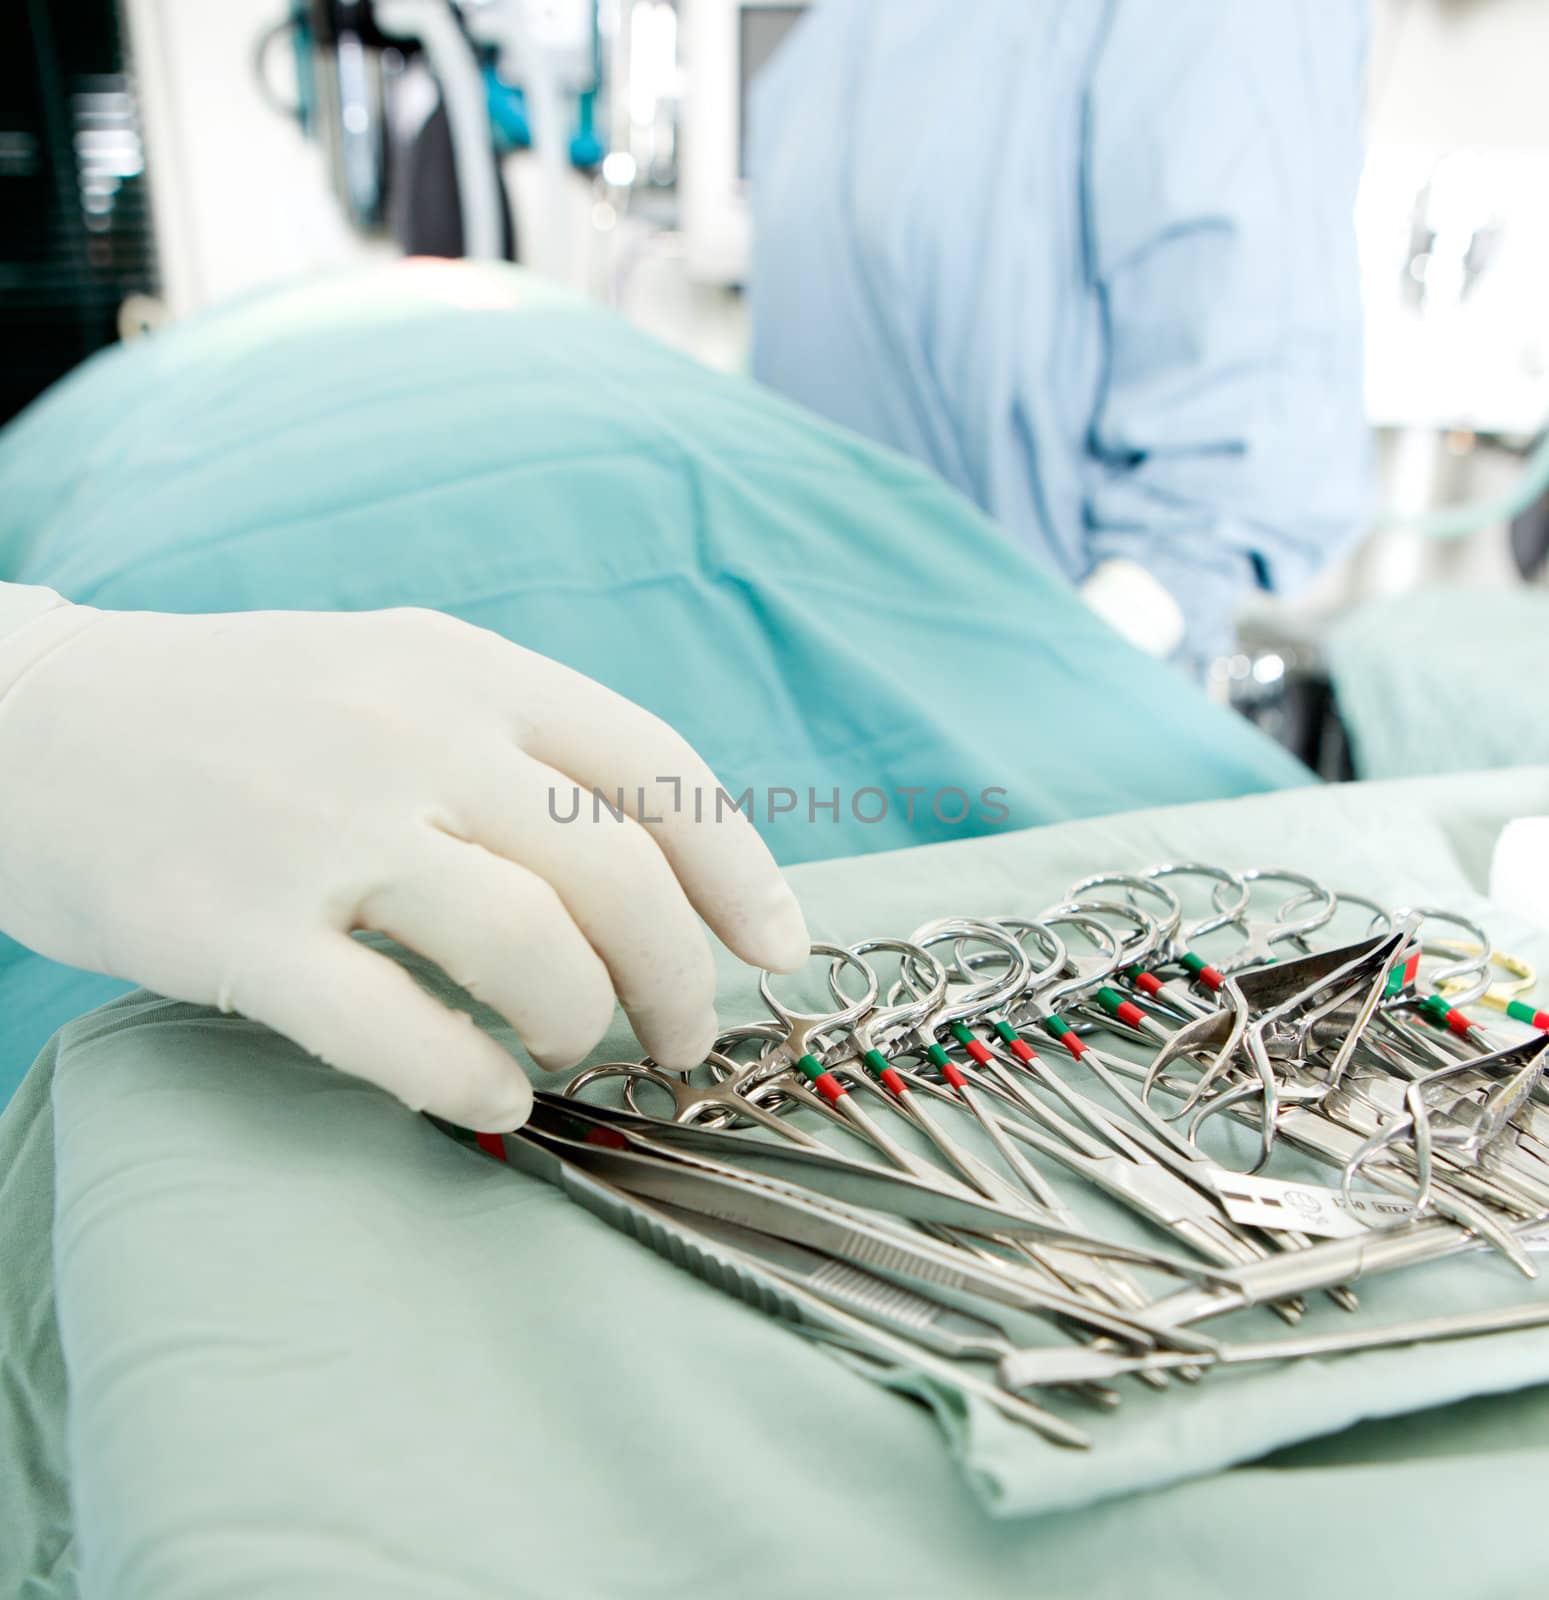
(1092, 260)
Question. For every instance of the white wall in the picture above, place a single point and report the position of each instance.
(1461, 79)
(1452, 72)
(241, 197)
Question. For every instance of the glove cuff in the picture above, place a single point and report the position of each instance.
(21, 603)
(33, 620)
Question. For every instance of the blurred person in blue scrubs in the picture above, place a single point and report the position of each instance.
(1093, 261)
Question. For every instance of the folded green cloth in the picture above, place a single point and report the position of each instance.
(312, 1346)
(1444, 680)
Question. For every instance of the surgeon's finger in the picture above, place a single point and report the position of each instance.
(608, 744)
(502, 933)
(623, 896)
(361, 1012)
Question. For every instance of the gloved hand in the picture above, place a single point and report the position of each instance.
(208, 805)
(1135, 603)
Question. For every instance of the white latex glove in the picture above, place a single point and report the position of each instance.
(208, 805)
(1135, 604)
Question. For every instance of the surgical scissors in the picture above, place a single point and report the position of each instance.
(882, 1025)
(1229, 895)
(1260, 935)
(800, 1043)
(1361, 1054)
(691, 1103)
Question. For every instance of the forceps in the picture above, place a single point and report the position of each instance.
(1463, 982)
(1151, 943)
(1379, 918)
(690, 1166)
(1164, 1145)
(874, 1032)
(804, 1032)
(1038, 1006)
(847, 1282)
(1167, 925)
(1265, 1001)
(781, 1074)
(1169, 993)
(800, 1043)
(1470, 1136)
(1506, 996)
(1335, 972)
(1260, 935)
(590, 1176)
(988, 1001)
(1154, 1133)
(992, 1004)
(802, 1028)
(1522, 974)
(1483, 1153)
(1120, 1168)
(1268, 1017)
(880, 1027)
(1145, 940)
(774, 1078)
(1037, 1368)
(979, 1000)
(1146, 1165)
(692, 1103)
(916, 1025)
(1229, 896)
(984, 1001)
